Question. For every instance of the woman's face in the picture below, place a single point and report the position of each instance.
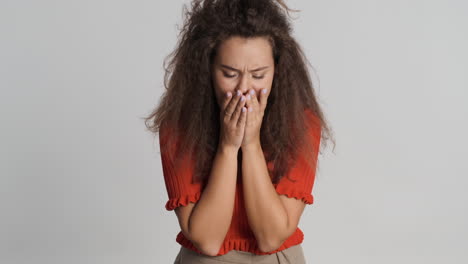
(243, 64)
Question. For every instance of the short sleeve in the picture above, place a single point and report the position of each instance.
(178, 179)
(299, 181)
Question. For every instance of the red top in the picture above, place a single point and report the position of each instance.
(240, 237)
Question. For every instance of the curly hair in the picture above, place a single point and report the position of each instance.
(188, 116)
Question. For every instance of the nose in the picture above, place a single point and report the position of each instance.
(244, 84)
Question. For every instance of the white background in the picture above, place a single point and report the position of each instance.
(81, 179)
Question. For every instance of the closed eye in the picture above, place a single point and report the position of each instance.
(232, 76)
(229, 75)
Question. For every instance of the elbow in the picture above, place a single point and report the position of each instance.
(270, 243)
(206, 246)
(268, 246)
(209, 249)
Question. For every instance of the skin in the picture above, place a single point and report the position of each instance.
(245, 66)
(241, 70)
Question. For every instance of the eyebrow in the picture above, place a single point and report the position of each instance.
(234, 69)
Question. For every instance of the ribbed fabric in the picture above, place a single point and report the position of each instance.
(244, 244)
(240, 237)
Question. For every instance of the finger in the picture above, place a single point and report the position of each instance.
(249, 104)
(253, 100)
(231, 107)
(263, 99)
(250, 115)
(240, 105)
(242, 118)
(227, 98)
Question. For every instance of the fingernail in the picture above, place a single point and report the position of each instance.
(243, 98)
(252, 92)
(264, 91)
(228, 94)
(248, 97)
(238, 93)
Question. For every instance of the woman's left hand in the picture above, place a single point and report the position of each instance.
(255, 111)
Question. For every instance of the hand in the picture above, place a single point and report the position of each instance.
(256, 110)
(233, 119)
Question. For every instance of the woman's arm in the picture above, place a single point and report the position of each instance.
(273, 218)
(206, 223)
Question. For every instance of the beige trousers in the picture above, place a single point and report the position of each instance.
(291, 255)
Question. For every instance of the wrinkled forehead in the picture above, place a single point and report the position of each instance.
(242, 52)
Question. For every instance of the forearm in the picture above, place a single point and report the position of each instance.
(211, 217)
(265, 212)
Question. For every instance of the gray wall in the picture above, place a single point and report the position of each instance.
(81, 179)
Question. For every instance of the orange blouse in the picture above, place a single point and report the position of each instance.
(240, 237)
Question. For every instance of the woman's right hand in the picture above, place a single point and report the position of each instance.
(233, 117)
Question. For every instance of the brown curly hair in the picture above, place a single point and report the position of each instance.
(188, 107)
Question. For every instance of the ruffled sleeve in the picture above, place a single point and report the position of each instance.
(299, 182)
(178, 179)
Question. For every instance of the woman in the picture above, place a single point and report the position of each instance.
(239, 130)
